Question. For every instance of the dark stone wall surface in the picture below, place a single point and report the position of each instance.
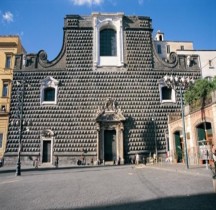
(82, 90)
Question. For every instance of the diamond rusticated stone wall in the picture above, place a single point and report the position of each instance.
(82, 89)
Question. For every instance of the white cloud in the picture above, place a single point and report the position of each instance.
(7, 17)
(87, 2)
(113, 3)
(140, 2)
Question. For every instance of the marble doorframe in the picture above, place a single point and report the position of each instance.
(119, 128)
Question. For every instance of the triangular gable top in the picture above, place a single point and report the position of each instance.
(49, 81)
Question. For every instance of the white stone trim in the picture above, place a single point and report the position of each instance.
(101, 21)
(46, 83)
(173, 95)
(51, 139)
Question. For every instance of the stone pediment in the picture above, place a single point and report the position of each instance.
(49, 81)
(47, 133)
(109, 112)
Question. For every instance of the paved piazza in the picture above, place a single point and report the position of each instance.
(111, 187)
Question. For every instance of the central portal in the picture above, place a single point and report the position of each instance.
(110, 137)
(110, 145)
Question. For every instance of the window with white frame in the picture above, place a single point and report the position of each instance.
(49, 90)
(108, 40)
(167, 95)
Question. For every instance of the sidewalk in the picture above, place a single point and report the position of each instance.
(196, 170)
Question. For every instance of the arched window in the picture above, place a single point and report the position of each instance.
(49, 94)
(108, 44)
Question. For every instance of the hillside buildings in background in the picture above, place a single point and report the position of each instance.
(206, 61)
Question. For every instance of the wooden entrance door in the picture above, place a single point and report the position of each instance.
(46, 152)
(109, 145)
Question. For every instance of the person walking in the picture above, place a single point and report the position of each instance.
(137, 159)
(56, 162)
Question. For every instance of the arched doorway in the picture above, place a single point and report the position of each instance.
(204, 131)
(204, 141)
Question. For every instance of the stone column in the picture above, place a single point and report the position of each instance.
(98, 142)
(102, 146)
(121, 143)
(117, 143)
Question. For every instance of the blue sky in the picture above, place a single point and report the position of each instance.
(39, 23)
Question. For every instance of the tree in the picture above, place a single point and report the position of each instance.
(201, 89)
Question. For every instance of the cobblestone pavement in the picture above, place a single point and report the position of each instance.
(166, 186)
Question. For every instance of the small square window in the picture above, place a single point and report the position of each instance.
(167, 95)
(48, 91)
(8, 62)
(182, 47)
(49, 94)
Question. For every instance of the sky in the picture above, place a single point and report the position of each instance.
(39, 23)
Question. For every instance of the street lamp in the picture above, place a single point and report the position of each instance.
(181, 82)
(19, 120)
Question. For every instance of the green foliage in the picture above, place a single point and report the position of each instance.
(201, 89)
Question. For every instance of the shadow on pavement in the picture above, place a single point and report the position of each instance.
(193, 202)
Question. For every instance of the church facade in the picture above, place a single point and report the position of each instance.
(101, 100)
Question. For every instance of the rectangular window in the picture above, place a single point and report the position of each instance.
(167, 95)
(8, 62)
(168, 48)
(5, 89)
(1, 139)
(159, 49)
(182, 47)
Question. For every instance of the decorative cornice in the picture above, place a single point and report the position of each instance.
(172, 62)
(109, 112)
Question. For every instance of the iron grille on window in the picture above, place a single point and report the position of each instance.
(108, 42)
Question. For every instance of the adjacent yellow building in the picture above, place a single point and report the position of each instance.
(9, 47)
